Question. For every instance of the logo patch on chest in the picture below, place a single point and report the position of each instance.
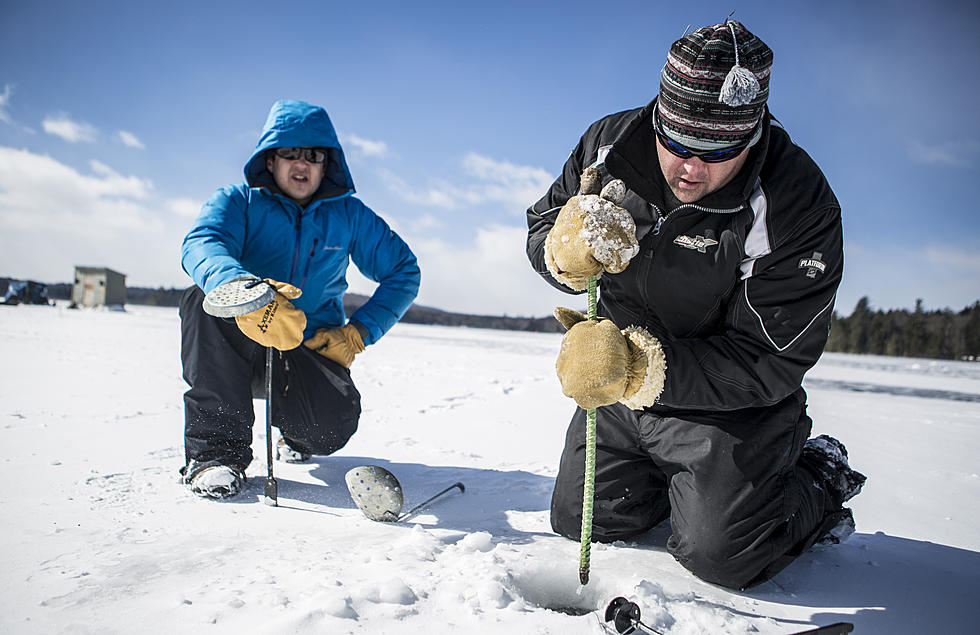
(699, 243)
(813, 265)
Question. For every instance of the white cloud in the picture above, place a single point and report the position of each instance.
(516, 185)
(426, 222)
(487, 275)
(113, 184)
(483, 181)
(71, 131)
(485, 269)
(56, 217)
(951, 153)
(367, 147)
(4, 104)
(130, 140)
(955, 258)
(185, 207)
(39, 193)
(441, 196)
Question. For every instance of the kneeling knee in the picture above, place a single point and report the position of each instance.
(320, 441)
(714, 557)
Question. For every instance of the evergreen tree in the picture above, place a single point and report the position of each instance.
(971, 333)
(860, 321)
(839, 332)
(916, 335)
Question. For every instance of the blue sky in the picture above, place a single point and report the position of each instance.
(119, 119)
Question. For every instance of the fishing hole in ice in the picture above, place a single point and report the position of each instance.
(557, 589)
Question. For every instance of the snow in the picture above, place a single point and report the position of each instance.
(609, 230)
(99, 536)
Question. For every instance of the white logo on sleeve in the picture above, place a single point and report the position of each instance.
(813, 265)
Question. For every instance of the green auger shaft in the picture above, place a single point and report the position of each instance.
(588, 493)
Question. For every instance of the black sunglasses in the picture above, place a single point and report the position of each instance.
(312, 155)
(709, 156)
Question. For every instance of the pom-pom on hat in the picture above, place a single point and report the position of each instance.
(714, 87)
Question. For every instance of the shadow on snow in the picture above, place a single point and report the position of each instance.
(491, 499)
(899, 585)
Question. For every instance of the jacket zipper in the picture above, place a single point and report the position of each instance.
(306, 269)
(663, 217)
(660, 219)
(648, 259)
(292, 268)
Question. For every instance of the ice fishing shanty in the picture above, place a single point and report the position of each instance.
(98, 286)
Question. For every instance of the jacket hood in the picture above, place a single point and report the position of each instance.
(299, 124)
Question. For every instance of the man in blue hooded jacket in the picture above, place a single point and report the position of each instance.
(296, 224)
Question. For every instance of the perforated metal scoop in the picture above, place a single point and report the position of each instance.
(376, 492)
(238, 297)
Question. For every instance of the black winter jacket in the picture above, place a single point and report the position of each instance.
(739, 287)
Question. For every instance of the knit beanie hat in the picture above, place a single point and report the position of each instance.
(714, 86)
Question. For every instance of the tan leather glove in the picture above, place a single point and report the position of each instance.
(599, 365)
(278, 324)
(339, 345)
(592, 233)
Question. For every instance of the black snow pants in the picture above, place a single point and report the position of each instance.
(315, 404)
(741, 507)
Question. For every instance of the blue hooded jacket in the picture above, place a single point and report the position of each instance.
(252, 229)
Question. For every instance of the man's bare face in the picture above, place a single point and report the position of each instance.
(298, 179)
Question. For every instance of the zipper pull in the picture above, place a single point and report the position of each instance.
(660, 218)
(656, 228)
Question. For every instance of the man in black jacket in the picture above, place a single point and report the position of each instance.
(718, 269)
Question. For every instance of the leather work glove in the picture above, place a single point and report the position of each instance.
(278, 324)
(339, 345)
(599, 365)
(592, 233)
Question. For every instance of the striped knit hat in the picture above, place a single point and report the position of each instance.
(714, 86)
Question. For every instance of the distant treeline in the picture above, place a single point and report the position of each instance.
(934, 334)
(134, 295)
(919, 333)
(425, 315)
(416, 314)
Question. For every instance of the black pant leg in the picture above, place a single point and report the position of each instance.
(218, 361)
(739, 502)
(315, 405)
(630, 492)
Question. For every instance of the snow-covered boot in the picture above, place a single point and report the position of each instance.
(217, 481)
(288, 454)
(827, 457)
(840, 527)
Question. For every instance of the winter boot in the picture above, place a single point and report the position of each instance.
(288, 454)
(827, 458)
(216, 481)
(838, 527)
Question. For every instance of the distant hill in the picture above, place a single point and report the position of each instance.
(416, 314)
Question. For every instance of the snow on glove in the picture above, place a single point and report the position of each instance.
(278, 324)
(591, 234)
(599, 365)
(339, 345)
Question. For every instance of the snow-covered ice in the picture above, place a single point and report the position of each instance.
(99, 536)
